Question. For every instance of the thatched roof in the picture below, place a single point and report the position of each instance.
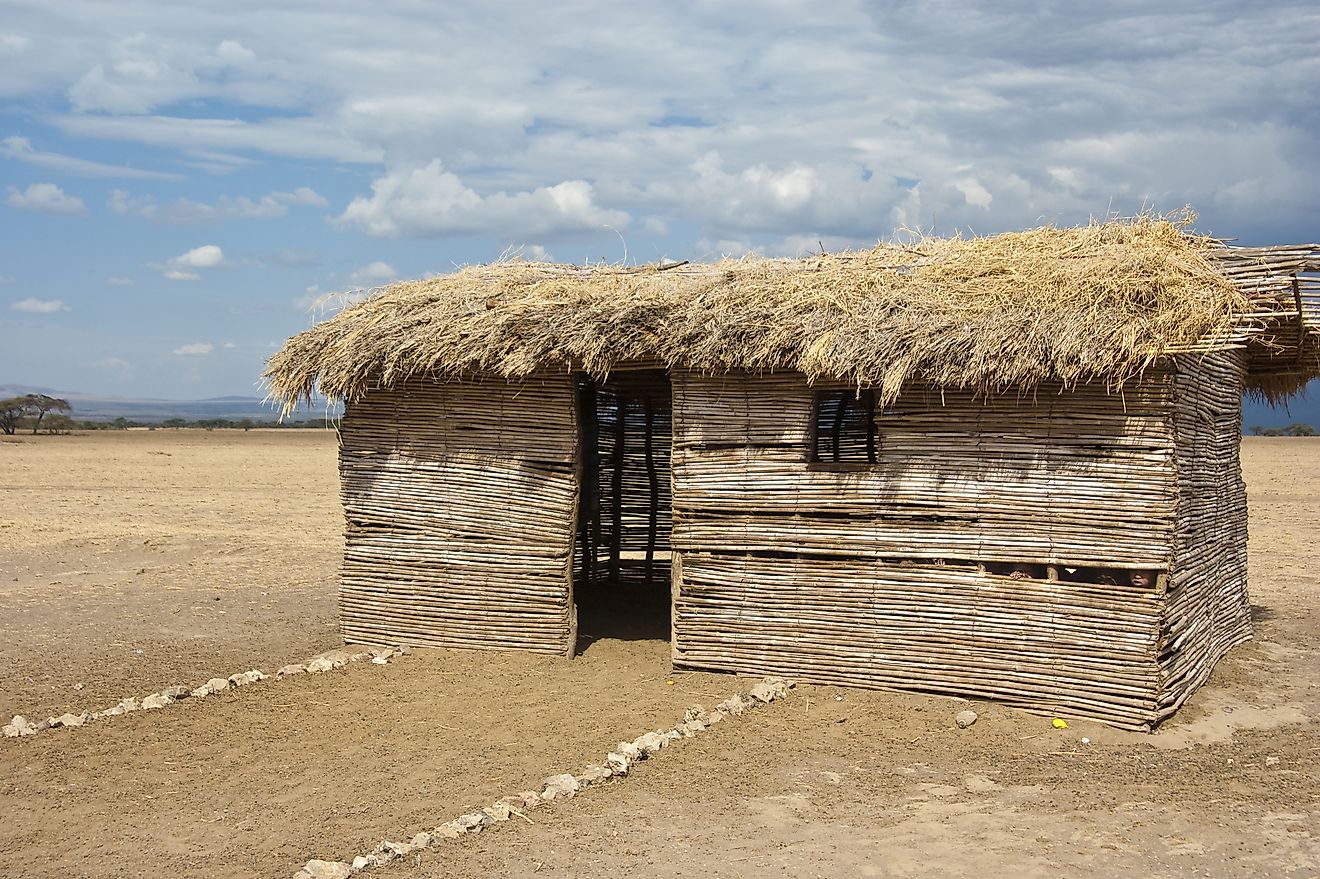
(1098, 302)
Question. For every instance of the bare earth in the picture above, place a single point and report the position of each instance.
(133, 561)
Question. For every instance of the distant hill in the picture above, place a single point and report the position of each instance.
(92, 407)
(1300, 410)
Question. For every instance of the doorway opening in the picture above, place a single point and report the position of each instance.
(621, 558)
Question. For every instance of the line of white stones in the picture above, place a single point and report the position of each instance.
(616, 765)
(19, 727)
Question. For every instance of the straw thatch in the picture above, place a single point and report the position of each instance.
(1094, 303)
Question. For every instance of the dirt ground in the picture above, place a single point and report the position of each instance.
(132, 561)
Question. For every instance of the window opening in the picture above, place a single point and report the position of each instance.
(843, 428)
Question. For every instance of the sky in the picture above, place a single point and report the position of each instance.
(184, 185)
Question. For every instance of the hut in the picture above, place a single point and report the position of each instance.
(1003, 467)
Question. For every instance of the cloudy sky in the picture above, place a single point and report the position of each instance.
(182, 181)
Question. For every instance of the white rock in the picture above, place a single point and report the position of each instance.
(360, 863)
(473, 822)
(379, 660)
(631, 750)
(320, 664)
(769, 690)
(327, 869)
(385, 853)
(1271, 761)
(733, 705)
(70, 719)
(499, 811)
(130, 704)
(448, 830)
(19, 727)
(562, 785)
(176, 692)
(648, 743)
(156, 700)
(423, 840)
(594, 775)
(530, 799)
(965, 719)
(246, 677)
(293, 668)
(336, 658)
(211, 687)
(619, 763)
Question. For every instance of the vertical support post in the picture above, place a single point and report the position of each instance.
(616, 483)
(868, 404)
(837, 429)
(653, 505)
(589, 518)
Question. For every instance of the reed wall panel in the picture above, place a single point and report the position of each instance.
(875, 576)
(1206, 610)
(459, 501)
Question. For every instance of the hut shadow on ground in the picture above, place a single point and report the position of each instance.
(1261, 613)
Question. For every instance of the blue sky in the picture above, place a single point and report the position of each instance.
(180, 182)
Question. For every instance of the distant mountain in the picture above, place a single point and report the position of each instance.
(1299, 410)
(93, 407)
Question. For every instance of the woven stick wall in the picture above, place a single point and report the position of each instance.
(459, 501)
(1206, 612)
(877, 577)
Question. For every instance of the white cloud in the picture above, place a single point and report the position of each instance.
(185, 212)
(974, 192)
(233, 52)
(373, 273)
(119, 281)
(32, 305)
(294, 137)
(181, 267)
(430, 202)
(140, 73)
(303, 196)
(229, 345)
(21, 148)
(195, 348)
(121, 368)
(45, 198)
(13, 44)
(208, 256)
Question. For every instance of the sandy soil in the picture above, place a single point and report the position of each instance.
(133, 561)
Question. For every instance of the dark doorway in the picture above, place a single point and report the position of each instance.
(621, 563)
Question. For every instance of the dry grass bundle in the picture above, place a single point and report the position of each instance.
(1099, 302)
